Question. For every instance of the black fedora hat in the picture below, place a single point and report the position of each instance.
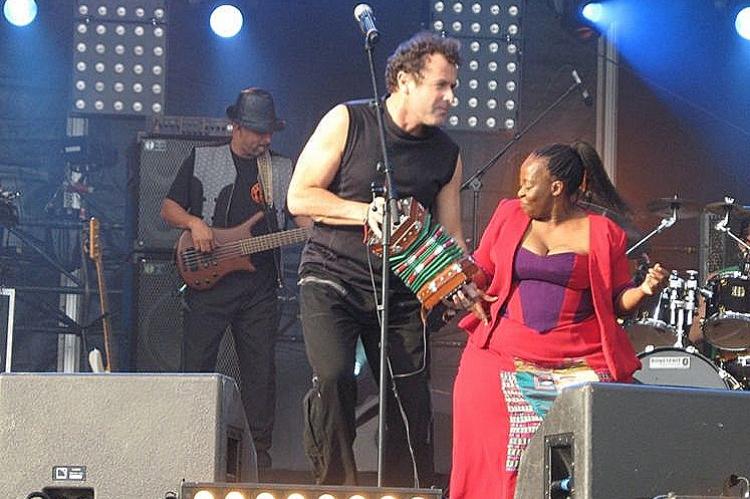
(254, 109)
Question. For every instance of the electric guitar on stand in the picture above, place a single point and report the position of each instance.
(94, 250)
(231, 253)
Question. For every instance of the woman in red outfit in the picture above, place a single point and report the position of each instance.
(560, 278)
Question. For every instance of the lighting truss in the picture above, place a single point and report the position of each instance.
(119, 56)
(487, 95)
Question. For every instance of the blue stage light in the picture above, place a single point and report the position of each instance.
(20, 12)
(742, 23)
(593, 11)
(226, 21)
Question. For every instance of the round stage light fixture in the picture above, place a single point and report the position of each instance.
(226, 20)
(593, 11)
(20, 12)
(742, 23)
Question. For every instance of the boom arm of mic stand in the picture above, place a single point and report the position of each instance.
(475, 181)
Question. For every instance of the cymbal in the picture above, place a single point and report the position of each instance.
(736, 210)
(685, 208)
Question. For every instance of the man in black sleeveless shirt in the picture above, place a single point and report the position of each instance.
(331, 184)
(220, 186)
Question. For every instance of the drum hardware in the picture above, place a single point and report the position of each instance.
(728, 207)
(664, 207)
(738, 366)
(671, 209)
(676, 287)
(727, 319)
(682, 367)
(670, 319)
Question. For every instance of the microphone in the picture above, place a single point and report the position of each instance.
(366, 19)
(587, 99)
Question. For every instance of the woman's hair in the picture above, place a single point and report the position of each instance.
(582, 173)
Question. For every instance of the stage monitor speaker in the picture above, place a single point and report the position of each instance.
(122, 435)
(636, 441)
(159, 160)
(158, 315)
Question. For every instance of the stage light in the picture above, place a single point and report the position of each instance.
(226, 21)
(119, 56)
(281, 491)
(20, 12)
(491, 48)
(742, 23)
(593, 11)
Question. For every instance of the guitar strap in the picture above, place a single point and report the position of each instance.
(265, 178)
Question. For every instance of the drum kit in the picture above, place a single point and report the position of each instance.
(697, 334)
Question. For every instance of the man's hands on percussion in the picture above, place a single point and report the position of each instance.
(203, 238)
(656, 279)
(374, 216)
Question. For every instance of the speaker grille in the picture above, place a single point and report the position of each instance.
(717, 250)
(159, 161)
(158, 314)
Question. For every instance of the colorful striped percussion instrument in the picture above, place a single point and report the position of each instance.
(424, 255)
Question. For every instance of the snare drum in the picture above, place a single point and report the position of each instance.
(727, 324)
(680, 367)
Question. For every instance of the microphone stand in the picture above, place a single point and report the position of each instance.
(475, 181)
(390, 196)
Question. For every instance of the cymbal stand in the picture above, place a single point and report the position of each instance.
(665, 223)
(723, 225)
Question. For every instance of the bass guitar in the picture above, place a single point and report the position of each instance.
(94, 250)
(231, 253)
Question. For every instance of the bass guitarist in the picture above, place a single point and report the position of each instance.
(222, 186)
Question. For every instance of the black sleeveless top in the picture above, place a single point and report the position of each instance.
(421, 167)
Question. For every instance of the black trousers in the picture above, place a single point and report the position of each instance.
(334, 315)
(251, 308)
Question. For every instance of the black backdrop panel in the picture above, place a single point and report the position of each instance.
(159, 160)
